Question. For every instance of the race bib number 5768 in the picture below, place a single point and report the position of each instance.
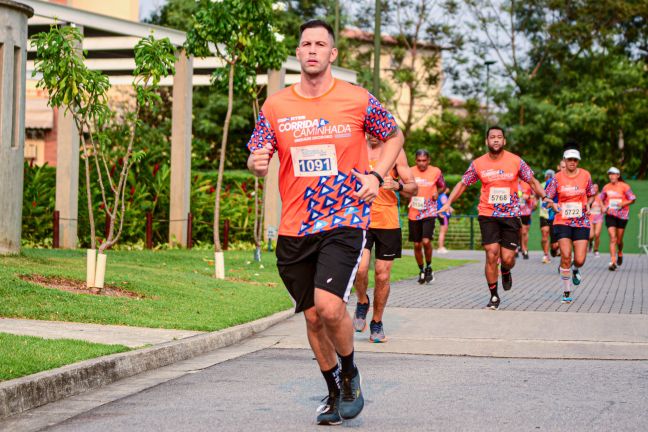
(499, 195)
(314, 160)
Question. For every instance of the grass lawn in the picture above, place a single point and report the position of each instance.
(177, 287)
(25, 355)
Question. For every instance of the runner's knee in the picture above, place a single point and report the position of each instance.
(382, 277)
(330, 313)
(313, 321)
(508, 261)
(578, 262)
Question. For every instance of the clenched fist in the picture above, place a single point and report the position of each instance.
(259, 160)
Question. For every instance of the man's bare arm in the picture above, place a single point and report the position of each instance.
(410, 188)
(370, 183)
(459, 189)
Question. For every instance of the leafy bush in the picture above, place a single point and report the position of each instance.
(148, 190)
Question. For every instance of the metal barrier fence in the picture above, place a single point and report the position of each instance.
(643, 229)
(463, 233)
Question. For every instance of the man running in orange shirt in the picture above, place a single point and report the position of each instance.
(423, 212)
(499, 206)
(385, 233)
(317, 128)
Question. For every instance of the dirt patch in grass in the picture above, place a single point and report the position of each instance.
(78, 287)
(235, 279)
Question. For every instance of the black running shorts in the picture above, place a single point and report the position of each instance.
(420, 229)
(388, 243)
(502, 230)
(327, 260)
(613, 221)
(544, 222)
(526, 220)
(572, 233)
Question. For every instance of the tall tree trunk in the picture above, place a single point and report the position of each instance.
(643, 166)
(221, 164)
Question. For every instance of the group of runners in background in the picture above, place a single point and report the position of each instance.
(572, 210)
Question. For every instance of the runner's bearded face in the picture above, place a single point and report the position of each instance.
(422, 162)
(495, 141)
(316, 52)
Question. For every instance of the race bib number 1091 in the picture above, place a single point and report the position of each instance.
(314, 160)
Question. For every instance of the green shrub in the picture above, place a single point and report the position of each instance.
(148, 190)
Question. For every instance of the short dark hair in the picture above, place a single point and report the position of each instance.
(316, 23)
(422, 152)
(495, 128)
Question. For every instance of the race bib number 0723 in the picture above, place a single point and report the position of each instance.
(314, 161)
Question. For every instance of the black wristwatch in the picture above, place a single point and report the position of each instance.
(380, 179)
(400, 186)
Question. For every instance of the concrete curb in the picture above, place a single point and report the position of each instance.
(29, 392)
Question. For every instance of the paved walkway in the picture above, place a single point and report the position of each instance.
(132, 337)
(536, 287)
(534, 365)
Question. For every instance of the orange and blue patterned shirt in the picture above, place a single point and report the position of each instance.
(320, 142)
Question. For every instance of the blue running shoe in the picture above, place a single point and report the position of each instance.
(567, 299)
(377, 333)
(352, 400)
(360, 316)
(576, 276)
(329, 412)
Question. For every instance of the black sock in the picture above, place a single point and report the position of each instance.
(505, 270)
(428, 265)
(421, 267)
(493, 289)
(348, 367)
(332, 378)
(567, 293)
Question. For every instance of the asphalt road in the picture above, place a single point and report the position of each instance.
(279, 390)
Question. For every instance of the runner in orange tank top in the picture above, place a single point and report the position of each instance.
(385, 233)
(317, 128)
(499, 207)
(423, 212)
(575, 192)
